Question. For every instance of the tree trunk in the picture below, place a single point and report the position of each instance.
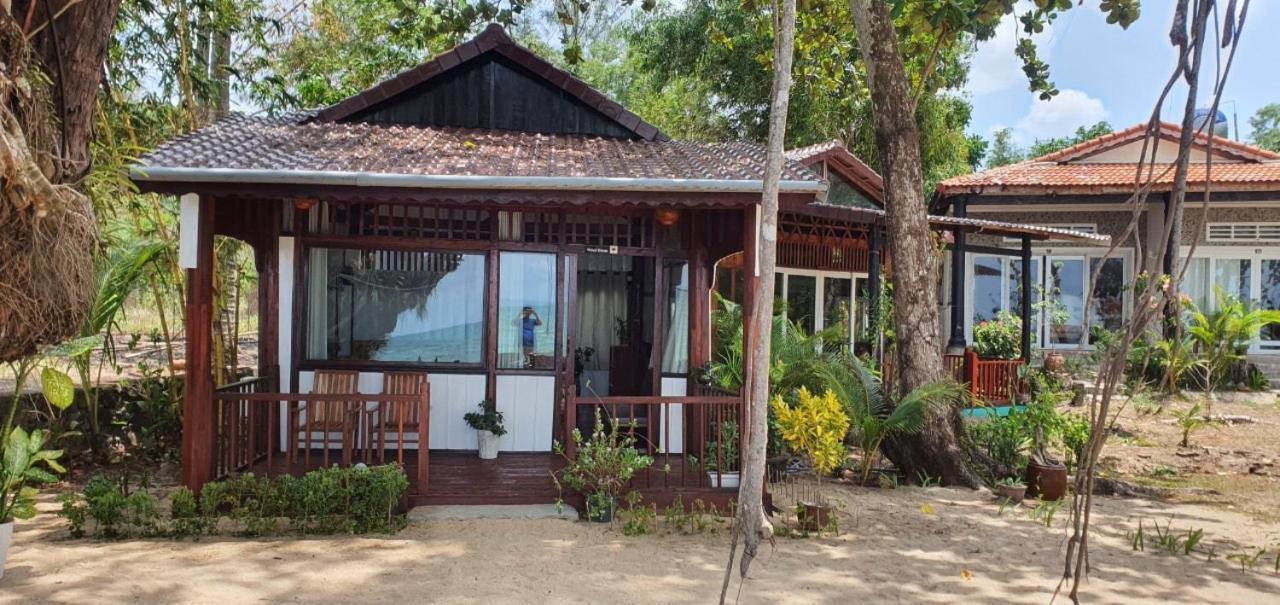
(936, 449)
(73, 45)
(752, 525)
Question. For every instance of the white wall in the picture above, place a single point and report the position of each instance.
(671, 432)
(528, 407)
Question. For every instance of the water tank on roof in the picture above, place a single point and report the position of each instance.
(1203, 116)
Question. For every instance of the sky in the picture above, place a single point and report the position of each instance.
(1108, 73)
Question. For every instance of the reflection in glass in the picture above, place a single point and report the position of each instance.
(1107, 308)
(384, 305)
(1271, 295)
(1233, 276)
(526, 310)
(1193, 282)
(987, 277)
(675, 343)
(1015, 293)
(1066, 289)
(802, 295)
(837, 299)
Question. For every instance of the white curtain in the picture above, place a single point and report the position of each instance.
(602, 301)
(675, 345)
(318, 304)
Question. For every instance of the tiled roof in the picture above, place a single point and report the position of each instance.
(853, 168)
(1168, 132)
(285, 144)
(1063, 171)
(1034, 177)
(494, 38)
(968, 225)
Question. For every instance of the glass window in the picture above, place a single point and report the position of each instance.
(675, 344)
(1066, 289)
(1015, 292)
(987, 278)
(837, 302)
(1232, 275)
(1107, 308)
(384, 305)
(802, 299)
(1271, 295)
(526, 310)
(1194, 282)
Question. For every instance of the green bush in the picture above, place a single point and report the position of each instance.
(999, 338)
(332, 500)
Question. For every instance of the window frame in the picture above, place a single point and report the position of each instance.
(302, 303)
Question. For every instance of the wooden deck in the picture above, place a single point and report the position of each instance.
(461, 477)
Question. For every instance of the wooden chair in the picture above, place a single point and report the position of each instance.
(327, 417)
(400, 417)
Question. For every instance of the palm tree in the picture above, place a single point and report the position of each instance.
(1223, 336)
(875, 416)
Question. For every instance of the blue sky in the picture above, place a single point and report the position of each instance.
(1108, 73)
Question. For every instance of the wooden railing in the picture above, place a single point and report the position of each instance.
(681, 433)
(288, 433)
(989, 380)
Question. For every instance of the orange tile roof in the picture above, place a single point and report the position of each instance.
(1253, 169)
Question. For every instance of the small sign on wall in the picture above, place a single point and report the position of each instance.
(602, 250)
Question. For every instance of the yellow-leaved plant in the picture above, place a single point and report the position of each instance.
(815, 426)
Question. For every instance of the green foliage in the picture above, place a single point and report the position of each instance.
(1005, 151)
(725, 449)
(487, 419)
(602, 465)
(25, 464)
(1192, 420)
(1166, 540)
(1222, 337)
(147, 410)
(814, 425)
(1003, 440)
(999, 338)
(1266, 127)
(640, 517)
(333, 500)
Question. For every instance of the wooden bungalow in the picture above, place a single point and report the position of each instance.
(483, 226)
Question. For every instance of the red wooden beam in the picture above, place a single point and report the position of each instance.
(197, 410)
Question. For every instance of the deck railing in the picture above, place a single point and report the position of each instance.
(291, 433)
(989, 380)
(682, 433)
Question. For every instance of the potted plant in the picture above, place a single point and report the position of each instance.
(601, 467)
(722, 457)
(1011, 489)
(814, 427)
(999, 338)
(22, 468)
(1046, 476)
(488, 425)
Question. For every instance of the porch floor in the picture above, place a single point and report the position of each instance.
(461, 477)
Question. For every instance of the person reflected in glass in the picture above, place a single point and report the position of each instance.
(529, 321)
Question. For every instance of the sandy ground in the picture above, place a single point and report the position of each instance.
(1235, 466)
(906, 545)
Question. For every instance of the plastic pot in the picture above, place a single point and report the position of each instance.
(6, 538)
(1046, 481)
(488, 445)
(725, 479)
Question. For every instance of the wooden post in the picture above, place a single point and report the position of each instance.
(971, 371)
(956, 344)
(424, 438)
(198, 406)
(1026, 300)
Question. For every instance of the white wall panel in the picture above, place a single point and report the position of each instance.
(528, 406)
(672, 430)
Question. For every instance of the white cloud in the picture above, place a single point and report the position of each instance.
(1060, 116)
(995, 67)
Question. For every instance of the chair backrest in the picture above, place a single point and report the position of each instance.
(332, 382)
(402, 383)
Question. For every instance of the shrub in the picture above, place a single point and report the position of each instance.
(351, 500)
(602, 467)
(999, 338)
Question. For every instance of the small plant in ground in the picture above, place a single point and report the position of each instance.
(1190, 421)
(925, 480)
(1044, 511)
(1164, 470)
(887, 480)
(1168, 541)
(1247, 561)
(640, 517)
(601, 467)
(1138, 539)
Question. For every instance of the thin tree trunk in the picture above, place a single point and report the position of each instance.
(752, 525)
(935, 450)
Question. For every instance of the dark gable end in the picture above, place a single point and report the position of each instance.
(491, 82)
(492, 92)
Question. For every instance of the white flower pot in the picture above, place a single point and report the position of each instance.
(726, 480)
(488, 445)
(6, 537)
